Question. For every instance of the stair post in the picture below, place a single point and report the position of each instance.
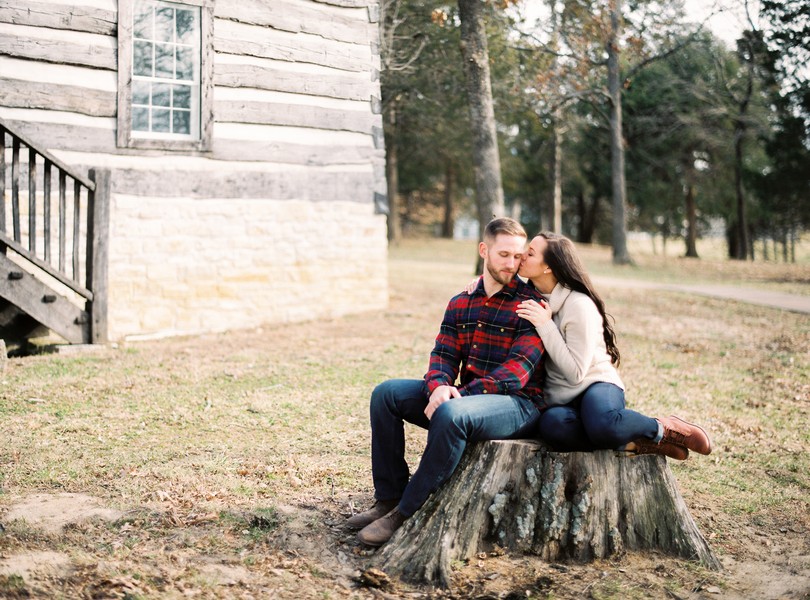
(98, 236)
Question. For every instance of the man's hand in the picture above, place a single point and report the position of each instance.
(440, 395)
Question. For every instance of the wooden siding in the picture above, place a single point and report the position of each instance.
(298, 17)
(18, 93)
(265, 74)
(242, 38)
(102, 139)
(88, 19)
(267, 54)
(294, 115)
(58, 46)
(305, 184)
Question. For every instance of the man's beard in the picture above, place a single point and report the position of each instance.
(498, 276)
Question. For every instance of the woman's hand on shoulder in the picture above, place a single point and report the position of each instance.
(470, 287)
(537, 313)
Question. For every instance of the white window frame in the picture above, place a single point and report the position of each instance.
(202, 109)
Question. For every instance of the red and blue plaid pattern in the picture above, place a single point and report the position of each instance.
(497, 351)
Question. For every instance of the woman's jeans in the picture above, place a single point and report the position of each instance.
(454, 423)
(595, 420)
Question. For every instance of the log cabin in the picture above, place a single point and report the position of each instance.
(189, 166)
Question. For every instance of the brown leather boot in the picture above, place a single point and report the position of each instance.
(645, 446)
(381, 530)
(380, 509)
(680, 432)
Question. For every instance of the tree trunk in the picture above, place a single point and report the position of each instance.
(392, 179)
(587, 218)
(486, 160)
(556, 133)
(740, 249)
(449, 186)
(691, 222)
(556, 173)
(742, 246)
(619, 189)
(521, 497)
(793, 244)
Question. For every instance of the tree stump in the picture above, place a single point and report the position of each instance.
(522, 497)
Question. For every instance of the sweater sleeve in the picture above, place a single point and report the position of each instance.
(571, 345)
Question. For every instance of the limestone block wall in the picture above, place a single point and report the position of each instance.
(187, 265)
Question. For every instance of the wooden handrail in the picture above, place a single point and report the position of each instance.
(82, 237)
(73, 173)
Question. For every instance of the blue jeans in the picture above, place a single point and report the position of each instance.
(595, 420)
(456, 422)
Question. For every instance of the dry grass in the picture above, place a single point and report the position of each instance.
(236, 457)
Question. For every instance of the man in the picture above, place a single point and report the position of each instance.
(495, 355)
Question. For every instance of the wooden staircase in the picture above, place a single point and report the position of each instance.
(54, 225)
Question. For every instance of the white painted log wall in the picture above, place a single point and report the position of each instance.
(295, 136)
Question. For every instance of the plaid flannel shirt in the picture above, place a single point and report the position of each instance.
(497, 351)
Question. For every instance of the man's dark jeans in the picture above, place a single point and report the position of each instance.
(456, 422)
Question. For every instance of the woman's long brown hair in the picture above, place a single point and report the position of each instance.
(562, 258)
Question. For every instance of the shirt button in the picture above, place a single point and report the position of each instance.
(485, 391)
(501, 329)
(475, 346)
(480, 325)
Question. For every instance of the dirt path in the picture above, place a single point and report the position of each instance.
(791, 302)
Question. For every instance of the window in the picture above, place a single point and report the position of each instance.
(164, 74)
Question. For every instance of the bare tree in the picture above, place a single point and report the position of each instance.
(486, 160)
(399, 51)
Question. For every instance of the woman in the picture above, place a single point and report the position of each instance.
(583, 388)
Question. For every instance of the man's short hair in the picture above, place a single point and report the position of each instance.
(502, 225)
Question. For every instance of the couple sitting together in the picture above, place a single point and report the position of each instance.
(486, 380)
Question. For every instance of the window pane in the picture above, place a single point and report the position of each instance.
(164, 61)
(142, 59)
(185, 26)
(140, 92)
(140, 119)
(165, 89)
(181, 120)
(143, 21)
(161, 120)
(161, 94)
(164, 24)
(185, 64)
(182, 96)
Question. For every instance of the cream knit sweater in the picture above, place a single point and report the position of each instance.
(575, 351)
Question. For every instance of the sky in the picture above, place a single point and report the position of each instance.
(726, 18)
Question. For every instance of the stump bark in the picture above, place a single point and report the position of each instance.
(522, 497)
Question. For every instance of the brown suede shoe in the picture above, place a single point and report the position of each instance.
(645, 446)
(381, 530)
(380, 509)
(677, 431)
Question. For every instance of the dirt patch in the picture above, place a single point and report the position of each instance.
(40, 564)
(784, 576)
(51, 512)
